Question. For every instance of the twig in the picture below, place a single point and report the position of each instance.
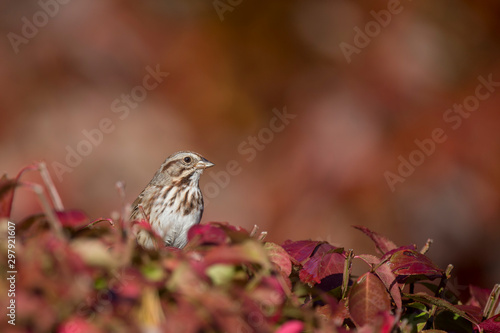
(262, 235)
(124, 219)
(254, 230)
(347, 272)
(426, 246)
(444, 280)
(54, 195)
(492, 307)
(49, 212)
(91, 224)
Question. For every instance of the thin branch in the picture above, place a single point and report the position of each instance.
(54, 195)
(254, 230)
(492, 307)
(426, 246)
(347, 272)
(49, 212)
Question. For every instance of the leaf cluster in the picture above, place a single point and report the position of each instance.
(78, 275)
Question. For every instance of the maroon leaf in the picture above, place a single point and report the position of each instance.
(473, 311)
(410, 262)
(207, 234)
(479, 296)
(367, 299)
(321, 266)
(300, 250)
(491, 325)
(72, 218)
(324, 248)
(383, 244)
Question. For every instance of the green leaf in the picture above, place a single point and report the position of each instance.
(221, 274)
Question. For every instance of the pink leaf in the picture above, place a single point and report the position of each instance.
(77, 325)
(292, 326)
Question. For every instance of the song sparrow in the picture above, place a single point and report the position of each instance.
(172, 201)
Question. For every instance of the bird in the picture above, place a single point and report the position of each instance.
(172, 201)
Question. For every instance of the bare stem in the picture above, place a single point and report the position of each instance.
(347, 272)
(254, 230)
(49, 212)
(262, 236)
(427, 246)
(54, 195)
(492, 307)
(124, 216)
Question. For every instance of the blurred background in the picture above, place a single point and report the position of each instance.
(354, 83)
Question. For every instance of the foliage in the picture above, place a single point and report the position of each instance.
(92, 277)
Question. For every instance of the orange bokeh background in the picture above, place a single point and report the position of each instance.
(230, 70)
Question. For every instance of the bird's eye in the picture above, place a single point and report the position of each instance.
(187, 159)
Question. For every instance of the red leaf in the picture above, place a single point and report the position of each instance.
(383, 244)
(235, 234)
(479, 296)
(491, 325)
(72, 218)
(292, 326)
(323, 248)
(279, 257)
(7, 187)
(367, 299)
(386, 276)
(321, 266)
(300, 250)
(247, 252)
(207, 234)
(473, 311)
(77, 325)
(410, 262)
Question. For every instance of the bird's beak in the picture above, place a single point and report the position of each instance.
(203, 164)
